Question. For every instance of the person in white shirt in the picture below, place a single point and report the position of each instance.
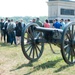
(5, 30)
(23, 24)
(62, 23)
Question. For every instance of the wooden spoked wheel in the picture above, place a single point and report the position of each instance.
(31, 47)
(68, 43)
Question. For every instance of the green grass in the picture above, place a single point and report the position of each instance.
(13, 62)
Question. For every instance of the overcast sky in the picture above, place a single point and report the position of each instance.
(10, 8)
(23, 8)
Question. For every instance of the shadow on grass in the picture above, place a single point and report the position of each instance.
(3, 44)
(24, 65)
(62, 68)
(7, 45)
(48, 64)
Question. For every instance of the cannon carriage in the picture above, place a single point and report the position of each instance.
(34, 37)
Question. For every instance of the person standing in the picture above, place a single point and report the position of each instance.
(33, 20)
(2, 31)
(57, 24)
(5, 29)
(39, 22)
(23, 24)
(62, 23)
(46, 24)
(12, 33)
(9, 31)
(18, 30)
(68, 21)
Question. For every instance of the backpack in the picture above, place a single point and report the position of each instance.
(10, 28)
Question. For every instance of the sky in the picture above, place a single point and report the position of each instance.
(10, 8)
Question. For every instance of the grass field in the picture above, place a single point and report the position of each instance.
(13, 62)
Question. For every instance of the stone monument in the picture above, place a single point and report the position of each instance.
(58, 9)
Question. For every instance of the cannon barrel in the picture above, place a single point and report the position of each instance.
(34, 37)
(42, 29)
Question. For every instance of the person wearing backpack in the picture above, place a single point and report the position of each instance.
(8, 30)
(11, 31)
(10, 27)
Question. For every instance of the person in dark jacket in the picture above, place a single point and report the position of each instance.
(18, 33)
(5, 30)
(2, 31)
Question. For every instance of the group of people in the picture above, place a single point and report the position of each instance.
(60, 24)
(11, 31)
(57, 24)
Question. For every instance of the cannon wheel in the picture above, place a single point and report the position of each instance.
(32, 49)
(68, 44)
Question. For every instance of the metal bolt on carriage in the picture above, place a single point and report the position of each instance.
(34, 37)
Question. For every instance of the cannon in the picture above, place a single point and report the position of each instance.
(33, 39)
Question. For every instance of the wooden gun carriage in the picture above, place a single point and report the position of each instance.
(34, 37)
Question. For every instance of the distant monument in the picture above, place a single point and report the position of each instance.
(61, 9)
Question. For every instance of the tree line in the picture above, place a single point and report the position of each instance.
(26, 18)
